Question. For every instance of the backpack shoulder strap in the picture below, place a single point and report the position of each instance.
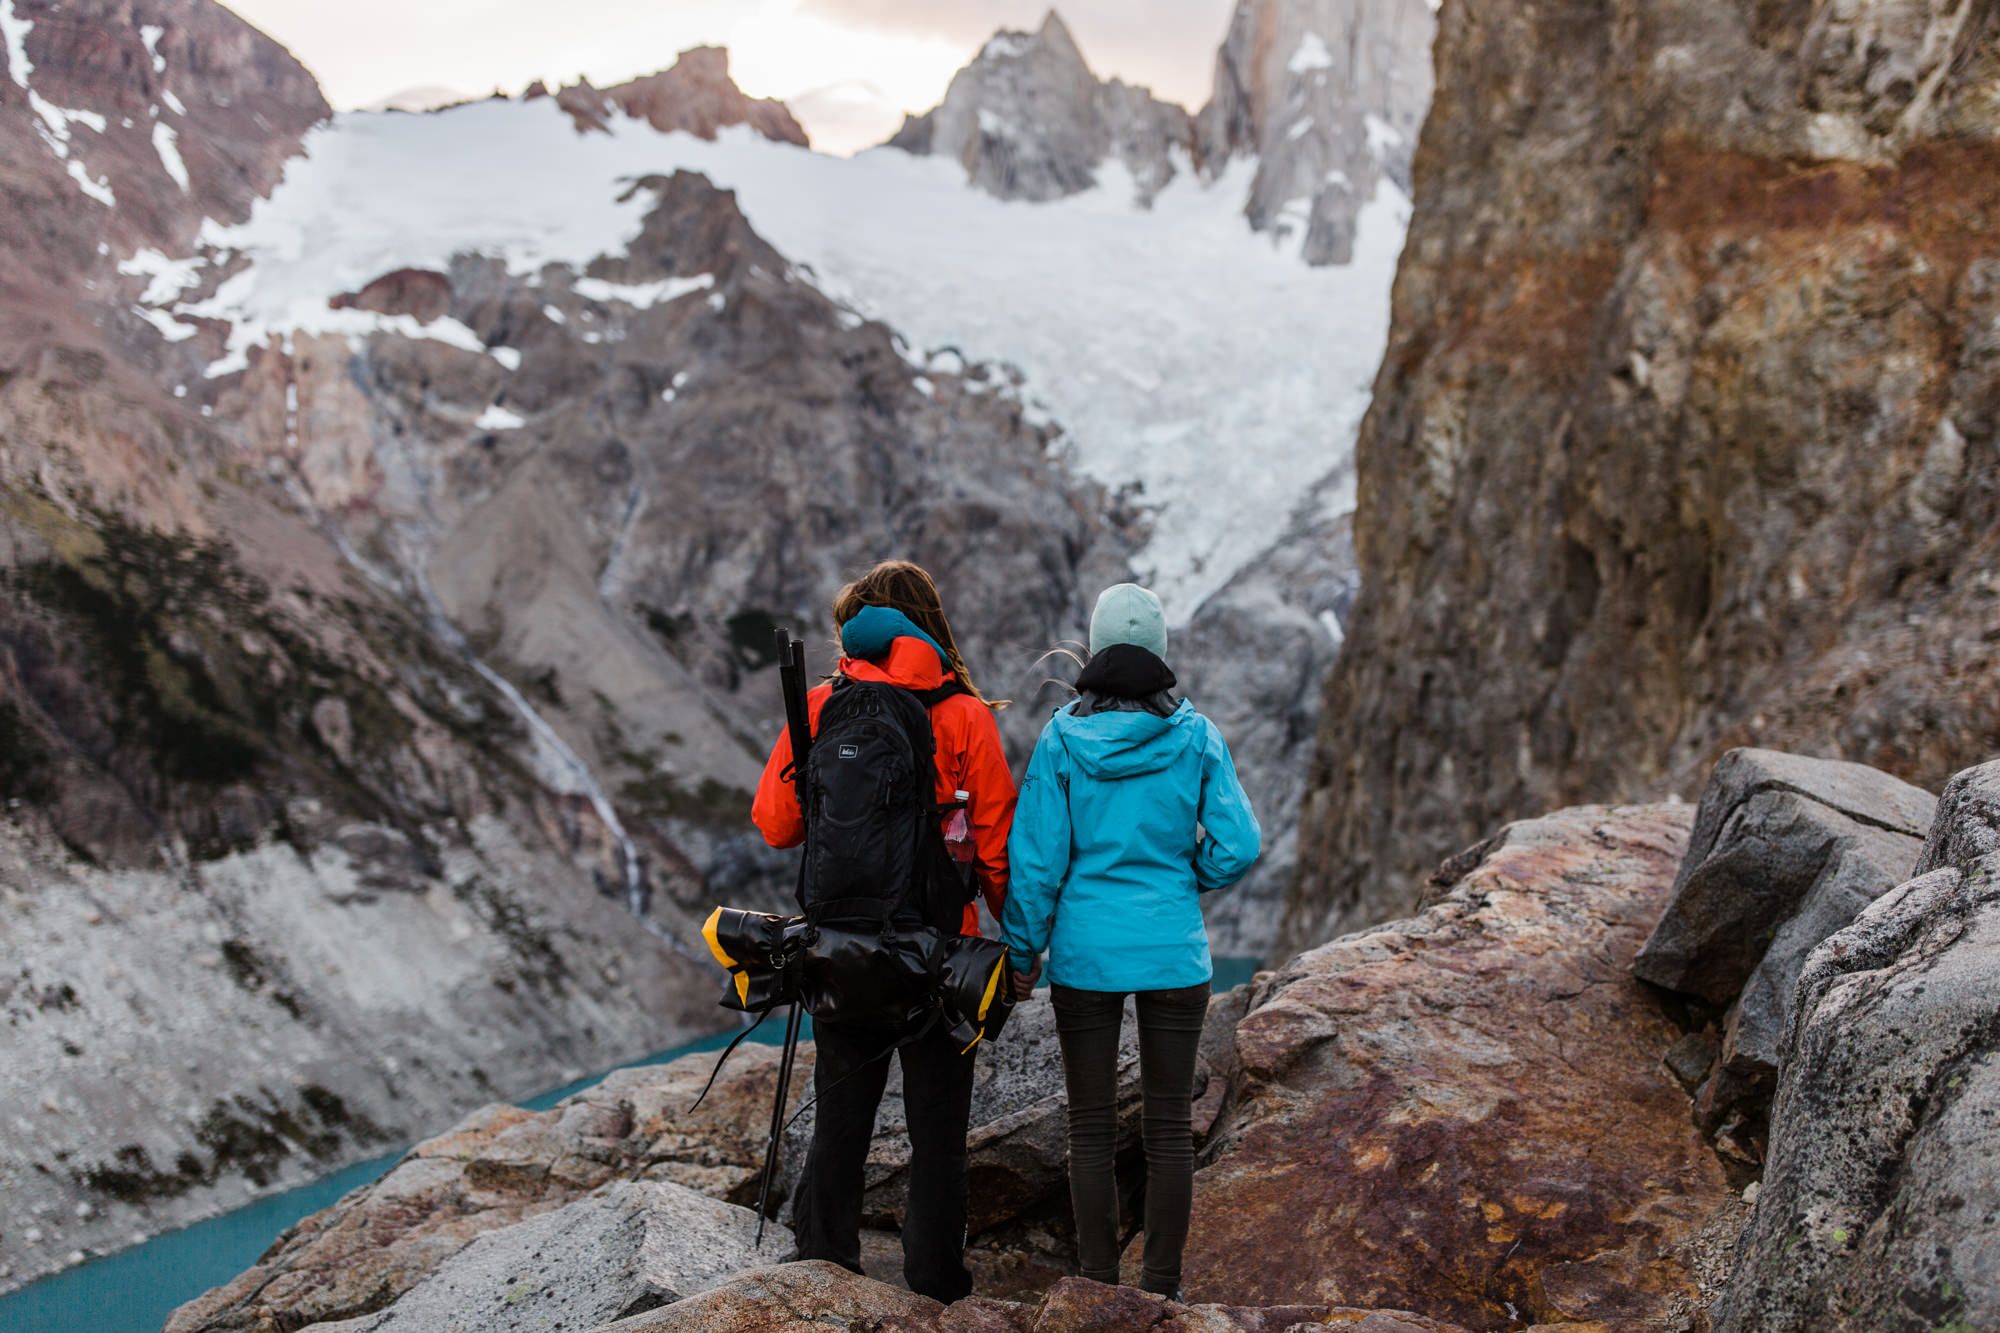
(936, 695)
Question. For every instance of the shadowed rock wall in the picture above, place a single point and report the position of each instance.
(1685, 437)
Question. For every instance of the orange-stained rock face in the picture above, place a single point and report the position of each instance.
(1684, 437)
(1465, 1114)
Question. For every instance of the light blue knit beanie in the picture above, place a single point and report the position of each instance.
(1128, 613)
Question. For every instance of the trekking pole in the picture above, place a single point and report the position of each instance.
(777, 1120)
(798, 723)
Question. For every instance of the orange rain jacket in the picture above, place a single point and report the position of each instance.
(969, 759)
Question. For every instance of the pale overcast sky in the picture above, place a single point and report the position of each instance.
(848, 67)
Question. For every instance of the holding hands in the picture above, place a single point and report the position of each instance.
(1024, 982)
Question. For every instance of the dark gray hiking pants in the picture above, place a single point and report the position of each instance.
(1087, 1023)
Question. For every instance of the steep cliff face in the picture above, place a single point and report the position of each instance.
(1328, 96)
(281, 877)
(1685, 436)
(1030, 121)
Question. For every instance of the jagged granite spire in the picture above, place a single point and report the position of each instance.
(1030, 120)
(1328, 95)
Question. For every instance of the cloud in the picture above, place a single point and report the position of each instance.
(1168, 45)
(846, 117)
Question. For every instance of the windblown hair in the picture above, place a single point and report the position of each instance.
(906, 587)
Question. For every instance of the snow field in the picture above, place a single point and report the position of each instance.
(1176, 348)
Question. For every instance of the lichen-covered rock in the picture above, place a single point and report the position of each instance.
(1465, 1113)
(1684, 436)
(1786, 850)
(1879, 1209)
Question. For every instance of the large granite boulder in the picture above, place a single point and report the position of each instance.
(1786, 850)
(1880, 1203)
(628, 1247)
(1465, 1113)
(502, 1166)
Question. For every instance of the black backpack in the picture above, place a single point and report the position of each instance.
(876, 882)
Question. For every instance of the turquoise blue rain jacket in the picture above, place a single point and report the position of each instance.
(1105, 870)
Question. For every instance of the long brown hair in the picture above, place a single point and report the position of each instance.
(906, 587)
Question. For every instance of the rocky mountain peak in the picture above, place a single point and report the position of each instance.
(1031, 121)
(1328, 95)
(695, 94)
(1053, 34)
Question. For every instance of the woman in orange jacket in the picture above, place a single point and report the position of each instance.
(893, 630)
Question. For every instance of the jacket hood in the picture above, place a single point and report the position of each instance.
(910, 663)
(1125, 744)
(873, 632)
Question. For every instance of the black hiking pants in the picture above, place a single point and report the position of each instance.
(849, 1074)
(1087, 1024)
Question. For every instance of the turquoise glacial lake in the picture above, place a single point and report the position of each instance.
(134, 1290)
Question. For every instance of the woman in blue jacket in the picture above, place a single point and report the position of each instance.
(1130, 811)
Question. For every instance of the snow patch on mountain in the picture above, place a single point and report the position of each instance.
(1310, 55)
(14, 30)
(1178, 351)
(165, 143)
(642, 296)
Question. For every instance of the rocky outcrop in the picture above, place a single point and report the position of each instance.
(1880, 1205)
(629, 1247)
(818, 1295)
(1030, 121)
(1468, 1115)
(1328, 96)
(695, 94)
(1684, 438)
(503, 1166)
(1785, 852)
(1465, 1114)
